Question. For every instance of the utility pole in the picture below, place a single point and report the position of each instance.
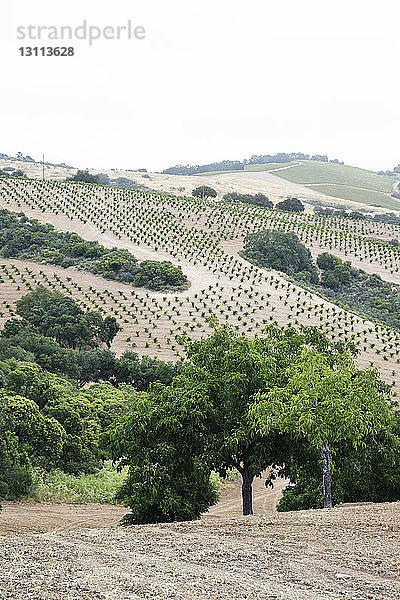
(43, 167)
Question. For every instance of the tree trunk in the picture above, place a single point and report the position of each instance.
(247, 492)
(326, 476)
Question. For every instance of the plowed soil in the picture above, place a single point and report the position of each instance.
(349, 553)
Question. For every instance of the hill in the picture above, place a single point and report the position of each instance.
(333, 179)
(204, 238)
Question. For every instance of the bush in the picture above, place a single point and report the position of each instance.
(256, 199)
(327, 262)
(58, 486)
(166, 494)
(291, 205)
(160, 276)
(279, 250)
(84, 177)
(329, 280)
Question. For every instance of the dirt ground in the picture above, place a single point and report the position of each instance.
(69, 552)
(347, 553)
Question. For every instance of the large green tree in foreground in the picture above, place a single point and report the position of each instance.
(160, 439)
(325, 405)
(204, 418)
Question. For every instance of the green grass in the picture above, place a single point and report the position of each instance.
(255, 167)
(370, 197)
(100, 487)
(312, 172)
(215, 173)
(268, 166)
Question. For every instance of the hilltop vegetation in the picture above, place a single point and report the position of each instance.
(240, 165)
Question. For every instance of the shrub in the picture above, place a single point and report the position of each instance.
(291, 205)
(160, 275)
(84, 177)
(256, 199)
(279, 250)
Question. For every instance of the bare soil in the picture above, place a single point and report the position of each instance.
(349, 553)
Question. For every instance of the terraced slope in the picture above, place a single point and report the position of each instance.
(204, 237)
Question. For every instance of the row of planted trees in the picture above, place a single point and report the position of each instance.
(160, 220)
(291, 400)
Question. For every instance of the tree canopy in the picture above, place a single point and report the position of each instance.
(204, 191)
(291, 205)
(55, 315)
(325, 405)
(280, 250)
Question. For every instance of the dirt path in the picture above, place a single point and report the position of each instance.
(348, 553)
(264, 499)
(22, 518)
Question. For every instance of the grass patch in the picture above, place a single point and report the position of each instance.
(255, 168)
(369, 197)
(98, 487)
(215, 173)
(269, 166)
(311, 172)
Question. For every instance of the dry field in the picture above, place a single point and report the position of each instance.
(347, 553)
(247, 182)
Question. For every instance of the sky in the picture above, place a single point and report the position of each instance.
(211, 80)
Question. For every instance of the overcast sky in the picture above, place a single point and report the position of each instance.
(211, 80)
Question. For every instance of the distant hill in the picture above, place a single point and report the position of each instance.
(341, 181)
(240, 165)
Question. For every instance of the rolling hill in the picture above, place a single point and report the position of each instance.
(204, 238)
(333, 179)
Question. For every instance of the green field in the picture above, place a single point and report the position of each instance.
(268, 166)
(355, 194)
(214, 173)
(312, 172)
(255, 168)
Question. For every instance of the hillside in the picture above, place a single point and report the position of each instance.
(204, 238)
(331, 179)
(347, 552)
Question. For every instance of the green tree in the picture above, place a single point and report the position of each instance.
(256, 199)
(204, 192)
(141, 372)
(56, 316)
(280, 250)
(327, 262)
(159, 439)
(84, 176)
(368, 474)
(291, 205)
(204, 414)
(157, 275)
(325, 405)
(230, 369)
